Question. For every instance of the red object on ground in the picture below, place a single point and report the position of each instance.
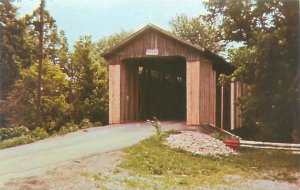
(232, 142)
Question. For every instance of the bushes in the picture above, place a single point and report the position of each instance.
(71, 126)
(8, 133)
(24, 139)
(68, 128)
(14, 136)
(39, 134)
(21, 135)
(85, 123)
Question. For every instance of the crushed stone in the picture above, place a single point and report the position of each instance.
(198, 143)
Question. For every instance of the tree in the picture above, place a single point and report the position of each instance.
(20, 104)
(90, 87)
(106, 43)
(12, 46)
(268, 61)
(42, 28)
(198, 32)
(89, 77)
(20, 37)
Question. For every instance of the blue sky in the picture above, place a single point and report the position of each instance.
(104, 17)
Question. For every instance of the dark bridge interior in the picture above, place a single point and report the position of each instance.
(162, 87)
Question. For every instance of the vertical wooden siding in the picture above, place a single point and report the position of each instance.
(237, 90)
(129, 92)
(152, 40)
(192, 92)
(201, 93)
(207, 93)
(114, 94)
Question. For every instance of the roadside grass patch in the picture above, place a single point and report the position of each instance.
(177, 167)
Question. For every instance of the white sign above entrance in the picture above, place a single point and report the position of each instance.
(152, 52)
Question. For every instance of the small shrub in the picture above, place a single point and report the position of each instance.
(8, 133)
(98, 123)
(156, 124)
(85, 123)
(24, 139)
(68, 128)
(39, 134)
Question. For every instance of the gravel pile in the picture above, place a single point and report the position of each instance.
(198, 143)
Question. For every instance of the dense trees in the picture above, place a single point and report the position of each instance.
(74, 83)
(265, 35)
(90, 84)
(12, 46)
(268, 61)
(53, 102)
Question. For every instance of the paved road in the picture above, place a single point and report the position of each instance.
(35, 158)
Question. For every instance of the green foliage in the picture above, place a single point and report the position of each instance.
(156, 124)
(151, 157)
(68, 128)
(20, 135)
(11, 132)
(12, 47)
(22, 97)
(267, 62)
(90, 85)
(106, 43)
(55, 45)
(198, 32)
(85, 123)
(98, 123)
(38, 134)
(74, 84)
(24, 139)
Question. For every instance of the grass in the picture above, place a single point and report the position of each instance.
(151, 158)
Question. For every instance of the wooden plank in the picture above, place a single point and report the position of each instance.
(207, 94)
(188, 94)
(192, 85)
(222, 107)
(122, 92)
(152, 40)
(214, 89)
(136, 94)
(114, 94)
(129, 92)
(232, 114)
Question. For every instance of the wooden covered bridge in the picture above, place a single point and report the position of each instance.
(154, 73)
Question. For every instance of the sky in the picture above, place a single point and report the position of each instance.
(100, 18)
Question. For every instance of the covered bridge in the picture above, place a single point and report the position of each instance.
(154, 73)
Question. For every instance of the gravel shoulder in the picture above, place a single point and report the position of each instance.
(198, 143)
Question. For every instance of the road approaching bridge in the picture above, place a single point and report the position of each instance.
(35, 158)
